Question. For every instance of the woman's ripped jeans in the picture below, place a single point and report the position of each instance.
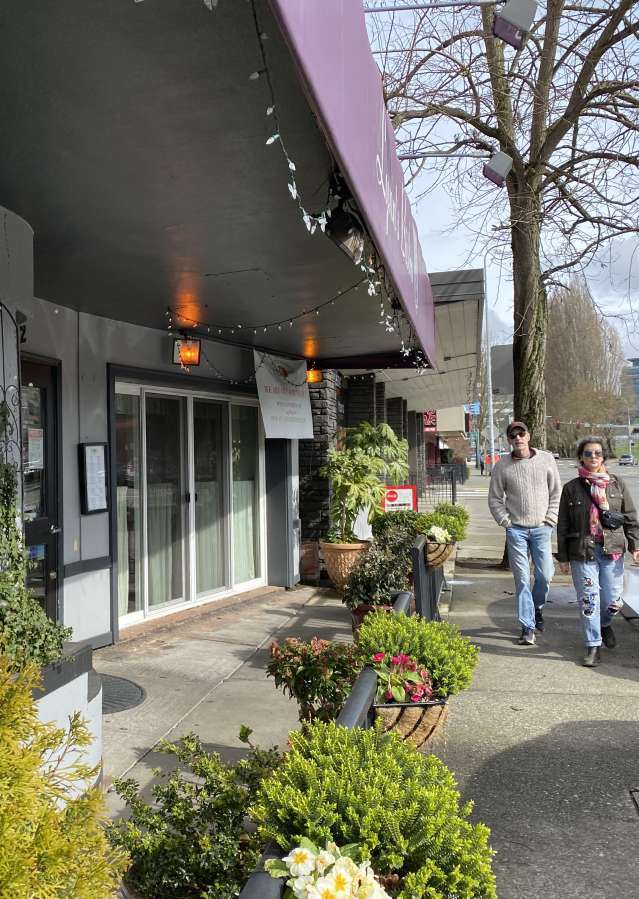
(599, 585)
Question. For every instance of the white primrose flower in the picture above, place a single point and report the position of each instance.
(301, 887)
(438, 535)
(300, 861)
(323, 861)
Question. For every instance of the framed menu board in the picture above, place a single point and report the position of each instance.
(94, 495)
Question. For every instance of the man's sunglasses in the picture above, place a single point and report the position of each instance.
(517, 433)
(590, 453)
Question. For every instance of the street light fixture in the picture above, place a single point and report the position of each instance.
(514, 21)
(511, 24)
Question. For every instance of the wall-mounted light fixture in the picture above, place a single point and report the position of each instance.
(314, 376)
(186, 352)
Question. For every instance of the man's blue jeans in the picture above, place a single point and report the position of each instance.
(599, 585)
(538, 541)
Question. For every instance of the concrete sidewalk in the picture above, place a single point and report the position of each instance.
(548, 750)
(207, 674)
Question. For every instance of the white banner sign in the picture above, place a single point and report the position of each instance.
(284, 398)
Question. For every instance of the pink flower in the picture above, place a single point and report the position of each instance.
(424, 674)
(388, 695)
(396, 660)
(379, 656)
(416, 697)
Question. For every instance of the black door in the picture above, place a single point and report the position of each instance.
(41, 513)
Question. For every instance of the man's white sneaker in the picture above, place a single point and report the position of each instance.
(527, 637)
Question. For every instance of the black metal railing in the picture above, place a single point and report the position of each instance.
(357, 712)
(438, 483)
(428, 582)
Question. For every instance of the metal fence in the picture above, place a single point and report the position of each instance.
(428, 583)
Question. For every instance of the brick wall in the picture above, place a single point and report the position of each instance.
(395, 415)
(360, 400)
(327, 406)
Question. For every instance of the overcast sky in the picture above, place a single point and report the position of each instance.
(614, 282)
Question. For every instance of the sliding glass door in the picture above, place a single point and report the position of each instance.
(187, 498)
(166, 498)
(209, 440)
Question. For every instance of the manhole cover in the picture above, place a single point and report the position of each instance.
(119, 694)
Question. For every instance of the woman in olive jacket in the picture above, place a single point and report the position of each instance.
(596, 552)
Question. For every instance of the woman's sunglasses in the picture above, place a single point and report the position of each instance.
(590, 453)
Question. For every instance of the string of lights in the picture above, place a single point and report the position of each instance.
(174, 317)
(391, 318)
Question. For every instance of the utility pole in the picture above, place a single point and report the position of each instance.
(629, 434)
(489, 381)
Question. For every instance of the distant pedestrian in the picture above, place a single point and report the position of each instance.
(482, 464)
(597, 520)
(524, 498)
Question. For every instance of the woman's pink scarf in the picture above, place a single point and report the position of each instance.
(597, 481)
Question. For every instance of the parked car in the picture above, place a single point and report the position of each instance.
(627, 459)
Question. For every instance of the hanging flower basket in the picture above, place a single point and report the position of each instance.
(341, 559)
(421, 723)
(438, 553)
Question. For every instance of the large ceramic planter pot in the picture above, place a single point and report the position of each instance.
(421, 723)
(438, 553)
(341, 559)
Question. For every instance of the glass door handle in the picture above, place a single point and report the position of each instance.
(55, 530)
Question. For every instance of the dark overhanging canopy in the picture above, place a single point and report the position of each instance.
(136, 147)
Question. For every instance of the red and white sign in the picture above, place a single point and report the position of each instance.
(400, 499)
(430, 421)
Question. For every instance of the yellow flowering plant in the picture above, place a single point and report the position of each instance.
(330, 873)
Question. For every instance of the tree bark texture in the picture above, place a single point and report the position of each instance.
(530, 314)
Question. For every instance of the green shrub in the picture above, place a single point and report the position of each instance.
(400, 807)
(394, 519)
(379, 574)
(455, 511)
(319, 674)
(385, 568)
(451, 523)
(52, 842)
(190, 841)
(436, 645)
(27, 634)
(452, 518)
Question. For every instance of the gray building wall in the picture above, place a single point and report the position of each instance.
(86, 345)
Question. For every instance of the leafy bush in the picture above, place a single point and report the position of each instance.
(318, 674)
(455, 511)
(190, 842)
(437, 646)
(400, 807)
(452, 518)
(391, 520)
(378, 574)
(385, 568)
(26, 632)
(51, 835)
(381, 442)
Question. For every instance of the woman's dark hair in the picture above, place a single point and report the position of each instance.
(591, 439)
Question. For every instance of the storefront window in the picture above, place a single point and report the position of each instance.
(165, 495)
(210, 550)
(127, 450)
(245, 493)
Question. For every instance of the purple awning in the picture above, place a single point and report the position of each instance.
(329, 41)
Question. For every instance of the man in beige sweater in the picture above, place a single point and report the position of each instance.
(524, 498)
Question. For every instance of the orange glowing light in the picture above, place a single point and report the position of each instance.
(314, 376)
(186, 352)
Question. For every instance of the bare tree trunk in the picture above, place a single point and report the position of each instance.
(530, 315)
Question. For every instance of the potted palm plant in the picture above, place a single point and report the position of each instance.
(369, 455)
(356, 483)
